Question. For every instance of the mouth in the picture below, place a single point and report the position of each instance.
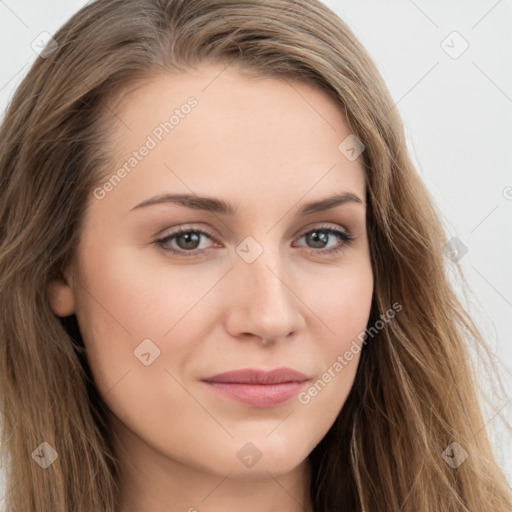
(258, 388)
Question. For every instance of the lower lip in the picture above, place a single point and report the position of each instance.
(258, 395)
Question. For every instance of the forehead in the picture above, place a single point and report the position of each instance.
(213, 131)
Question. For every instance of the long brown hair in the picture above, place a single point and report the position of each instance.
(416, 390)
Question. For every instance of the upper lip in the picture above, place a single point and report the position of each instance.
(255, 376)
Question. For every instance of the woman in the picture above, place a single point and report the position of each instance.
(175, 335)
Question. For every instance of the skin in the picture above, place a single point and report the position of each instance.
(268, 146)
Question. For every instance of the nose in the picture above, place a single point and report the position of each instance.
(263, 303)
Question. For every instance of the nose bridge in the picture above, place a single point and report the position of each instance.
(263, 260)
(266, 275)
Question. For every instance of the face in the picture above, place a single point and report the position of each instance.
(265, 286)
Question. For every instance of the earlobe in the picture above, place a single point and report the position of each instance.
(62, 300)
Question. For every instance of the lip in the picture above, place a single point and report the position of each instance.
(258, 388)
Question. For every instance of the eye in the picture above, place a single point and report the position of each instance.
(189, 240)
(321, 235)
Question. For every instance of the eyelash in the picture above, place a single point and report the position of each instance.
(347, 240)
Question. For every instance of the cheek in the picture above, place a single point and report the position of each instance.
(123, 300)
(344, 309)
(126, 295)
(343, 304)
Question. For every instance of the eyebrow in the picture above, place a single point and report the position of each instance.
(213, 205)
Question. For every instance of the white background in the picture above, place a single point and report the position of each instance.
(457, 114)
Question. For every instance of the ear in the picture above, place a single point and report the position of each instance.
(60, 293)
